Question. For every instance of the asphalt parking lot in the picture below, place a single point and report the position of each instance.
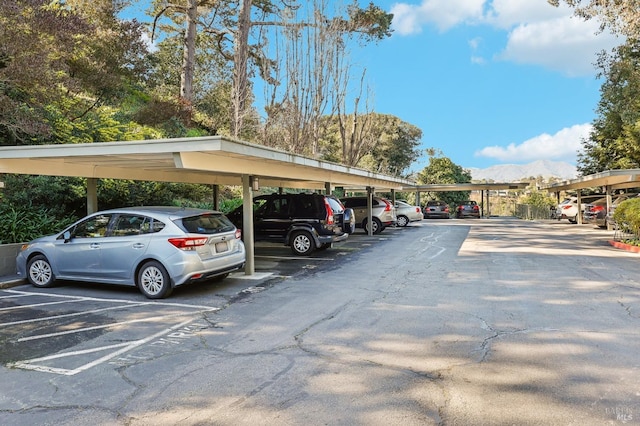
(474, 322)
(72, 327)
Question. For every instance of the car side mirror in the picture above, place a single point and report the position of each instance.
(66, 236)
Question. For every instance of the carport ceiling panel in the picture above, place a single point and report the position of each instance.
(628, 178)
(295, 170)
(60, 167)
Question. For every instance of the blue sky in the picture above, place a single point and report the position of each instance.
(487, 81)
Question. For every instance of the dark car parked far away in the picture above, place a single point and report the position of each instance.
(596, 213)
(468, 209)
(305, 222)
(436, 209)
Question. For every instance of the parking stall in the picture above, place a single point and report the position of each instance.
(65, 334)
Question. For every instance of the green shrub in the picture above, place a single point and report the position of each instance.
(18, 225)
(627, 215)
(227, 206)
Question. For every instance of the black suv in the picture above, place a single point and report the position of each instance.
(305, 222)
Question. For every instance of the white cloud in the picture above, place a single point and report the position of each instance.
(566, 44)
(563, 145)
(536, 33)
(506, 14)
(151, 45)
(443, 14)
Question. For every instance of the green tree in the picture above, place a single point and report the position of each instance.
(64, 60)
(385, 144)
(397, 146)
(614, 142)
(538, 199)
(441, 170)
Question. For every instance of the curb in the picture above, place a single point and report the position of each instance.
(626, 247)
(11, 281)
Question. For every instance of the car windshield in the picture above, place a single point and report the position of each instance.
(209, 223)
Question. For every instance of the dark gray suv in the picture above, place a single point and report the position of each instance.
(305, 222)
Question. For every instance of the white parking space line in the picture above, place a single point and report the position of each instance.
(97, 299)
(33, 305)
(180, 311)
(110, 325)
(13, 296)
(75, 314)
(31, 364)
(293, 257)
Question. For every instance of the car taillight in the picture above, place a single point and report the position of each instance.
(188, 243)
(238, 234)
(388, 207)
(417, 209)
(568, 206)
(330, 220)
(476, 207)
(446, 209)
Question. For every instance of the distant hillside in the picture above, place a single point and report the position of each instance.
(516, 172)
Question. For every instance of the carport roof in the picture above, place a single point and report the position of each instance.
(615, 179)
(470, 186)
(205, 160)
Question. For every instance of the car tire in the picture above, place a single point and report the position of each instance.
(377, 226)
(153, 280)
(402, 221)
(302, 243)
(39, 271)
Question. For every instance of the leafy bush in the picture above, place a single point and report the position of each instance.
(627, 216)
(227, 206)
(18, 225)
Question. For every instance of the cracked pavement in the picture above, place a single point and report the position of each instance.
(462, 322)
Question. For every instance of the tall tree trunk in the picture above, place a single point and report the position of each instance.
(240, 79)
(189, 52)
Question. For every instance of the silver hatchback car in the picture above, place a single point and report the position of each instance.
(153, 248)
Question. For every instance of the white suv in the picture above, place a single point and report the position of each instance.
(383, 212)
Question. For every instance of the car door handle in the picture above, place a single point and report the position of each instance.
(138, 245)
(94, 245)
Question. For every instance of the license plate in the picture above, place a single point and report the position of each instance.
(222, 246)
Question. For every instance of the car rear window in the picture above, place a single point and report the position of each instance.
(336, 205)
(213, 223)
(354, 202)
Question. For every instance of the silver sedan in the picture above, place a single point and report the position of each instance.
(406, 213)
(153, 248)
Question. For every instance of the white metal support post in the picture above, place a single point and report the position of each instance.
(370, 210)
(579, 214)
(92, 195)
(247, 223)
